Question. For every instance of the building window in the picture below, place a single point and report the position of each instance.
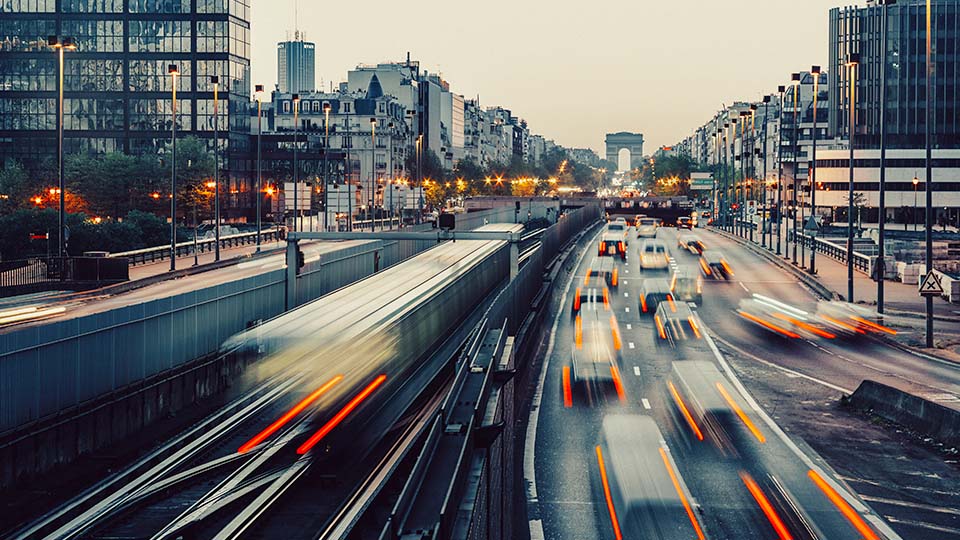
(316, 106)
(346, 107)
(286, 106)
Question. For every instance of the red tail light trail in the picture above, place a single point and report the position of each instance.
(304, 403)
(344, 412)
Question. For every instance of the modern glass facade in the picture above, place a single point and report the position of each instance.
(117, 90)
(859, 30)
(296, 66)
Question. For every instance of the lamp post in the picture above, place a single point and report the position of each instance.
(215, 81)
(742, 200)
(815, 71)
(326, 150)
(913, 214)
(764, 209)
(752, 170)
(852, 60)
(296, 169)
(780, 89)
(419, 150)
(881, 250)
(929, 165)
(173, 71)
(258, 90)
(61, 45)
(373, 172)
(796, 158)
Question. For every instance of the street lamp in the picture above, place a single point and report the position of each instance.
(763, 209)
(852, 60)
(796, 157)
(215, 81)
(881, 260)
(296, 170)
(61, 45)
(752, 170)
(811, 176)
(780, 89)
(913, 215)
(173, 71)
(929, 166)
(258, 91)
(326, 150)
(373, 171)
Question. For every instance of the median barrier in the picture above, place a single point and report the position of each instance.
(920, 415)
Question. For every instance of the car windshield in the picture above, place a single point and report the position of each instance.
(648, 222)
(615, 227)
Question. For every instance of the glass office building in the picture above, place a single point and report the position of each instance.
(117, 90)
(858, 30)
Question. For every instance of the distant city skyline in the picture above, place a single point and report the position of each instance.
(573, 71)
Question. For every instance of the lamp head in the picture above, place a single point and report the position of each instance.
(258, 89)
(214, 80)
(781, 88)
(795, 77)
(296, 98)
(853, 59)
(172, 69)
(815, 70)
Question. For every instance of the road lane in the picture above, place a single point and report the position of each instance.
(571, 504)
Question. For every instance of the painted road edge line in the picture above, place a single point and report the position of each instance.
(855, 502)
(530, 443)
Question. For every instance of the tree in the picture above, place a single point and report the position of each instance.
(15, 190)
(195, 166)
(430, 166)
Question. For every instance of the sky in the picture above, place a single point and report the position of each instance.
(575, 70)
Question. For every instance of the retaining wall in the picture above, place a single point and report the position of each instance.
(916, 413)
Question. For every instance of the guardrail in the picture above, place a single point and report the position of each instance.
(159, 253)
(861, 262)
(38, 274)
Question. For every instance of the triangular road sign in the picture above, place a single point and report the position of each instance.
(811, 224)
(931, 286)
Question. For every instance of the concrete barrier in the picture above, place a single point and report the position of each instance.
(913, 412)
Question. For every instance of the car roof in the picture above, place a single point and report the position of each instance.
(655, 285)
(712, 255)
(674, 310)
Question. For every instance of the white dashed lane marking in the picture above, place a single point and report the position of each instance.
(646, 404)
(629, 327)
(630, 345)
(627, 310)
(636, 370)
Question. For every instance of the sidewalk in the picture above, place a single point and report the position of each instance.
(163, 266)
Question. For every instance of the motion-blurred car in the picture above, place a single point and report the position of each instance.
(850, 320)
(593, 372)
(590, 299)
(652, 292)
(606, 270)
(714, 265)
(687, 285)
(612, 244)
(637, 472)
(647, 227)
(685, 222)
(691, 243)
(675, 322)
(781, 319)
(654, 255)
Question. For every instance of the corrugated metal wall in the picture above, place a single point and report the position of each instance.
(50, 368)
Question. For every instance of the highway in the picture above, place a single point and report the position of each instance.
(746, 478)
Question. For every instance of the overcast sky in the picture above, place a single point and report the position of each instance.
(575, 70)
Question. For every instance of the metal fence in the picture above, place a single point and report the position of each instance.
(159, 253)
(36, 274)
(863, 263)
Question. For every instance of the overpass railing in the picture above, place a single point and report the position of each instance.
(207, 245)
